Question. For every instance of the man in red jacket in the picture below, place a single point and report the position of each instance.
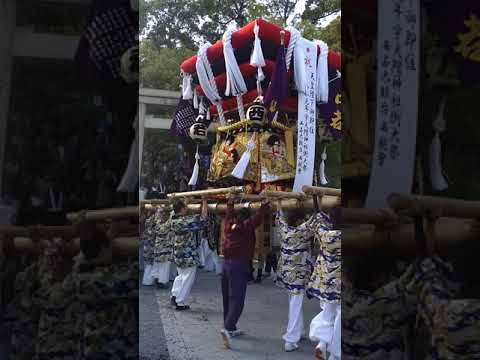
(238, 247)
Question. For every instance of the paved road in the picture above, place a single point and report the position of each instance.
(194, 334)
(152, 343)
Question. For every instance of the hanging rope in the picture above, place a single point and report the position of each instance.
(235, 82)
(207, 80)
(322, 73)
(294, 36)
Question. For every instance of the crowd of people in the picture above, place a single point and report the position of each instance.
(187, 240)
(61, 305)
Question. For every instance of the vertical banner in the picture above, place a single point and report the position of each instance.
(305, 58)
(393, 161)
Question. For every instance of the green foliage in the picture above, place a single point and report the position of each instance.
(317, 10)
(160, 67)
(331, 33)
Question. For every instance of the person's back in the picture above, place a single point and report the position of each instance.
(239, 230)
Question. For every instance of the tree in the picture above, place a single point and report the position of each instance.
(331, 33)
(316, 11)
(160, 68)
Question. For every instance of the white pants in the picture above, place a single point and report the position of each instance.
(148, 278)
(326, 329)
(183, 283)
(295, 318)
(161, 271)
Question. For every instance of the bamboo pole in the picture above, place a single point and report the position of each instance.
(287, 204)
(59, 231)
(122, 245)
(220, 191)
(400, 241)
(439, 206)
(317, 190)
(283, 195)
(106, 214)
(156, 202)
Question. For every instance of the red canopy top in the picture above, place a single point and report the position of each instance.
(267, 32)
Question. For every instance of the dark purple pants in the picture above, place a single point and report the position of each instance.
(234, 287)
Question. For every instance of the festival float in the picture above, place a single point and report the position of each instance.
(255, 108)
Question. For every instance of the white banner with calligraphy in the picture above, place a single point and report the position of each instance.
(393, 161)
(305, 57)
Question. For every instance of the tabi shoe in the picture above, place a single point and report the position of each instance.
(173, 301)
(226, 337)
(236, 333)
(321, 351)
(182, 307)
(290, 346)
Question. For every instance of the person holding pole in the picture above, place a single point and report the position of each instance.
(184, 228)
(238, 249)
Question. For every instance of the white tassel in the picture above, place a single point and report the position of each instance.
(241, 167)
(201, 106)
(323, 177)
(435, 151)
(208, 114)
(187, 93)
(195, 99)
(196, 169)
(257, 59)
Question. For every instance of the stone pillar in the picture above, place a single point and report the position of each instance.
(7, 36)
(141, 131)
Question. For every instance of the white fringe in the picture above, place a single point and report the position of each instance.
(435, 152)
(241, 167)
(323, 176)
(196, 170)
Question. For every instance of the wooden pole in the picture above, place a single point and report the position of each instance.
(106, 214)
(317, 190)
(451, 234)
(439, 206)
(287, 204)
(283, 194)
(122, 245)
(220, 191)
(48, 231)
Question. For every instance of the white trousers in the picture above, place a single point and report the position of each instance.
(148, 278)
(326, 329)
(295, 318)
(183, 283)
(161, 271)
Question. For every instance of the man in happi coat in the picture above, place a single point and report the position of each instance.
(184, 228)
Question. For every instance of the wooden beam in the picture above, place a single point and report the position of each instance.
(316, 190)
(438, 206)
(328, 202)
(106, 214)
(200, 193)
(450, 235)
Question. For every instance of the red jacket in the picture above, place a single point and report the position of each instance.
(239, 235)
